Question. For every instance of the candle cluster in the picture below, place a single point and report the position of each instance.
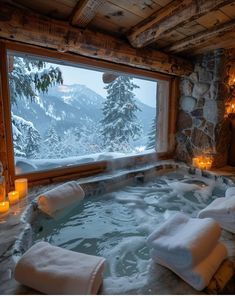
(202, 162)
(21, 190)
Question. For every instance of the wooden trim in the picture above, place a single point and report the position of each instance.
(172, 117)
(59, 174)
(85, 11)
(73, 60)
(31, 28)
(7, 133)
(163, 91)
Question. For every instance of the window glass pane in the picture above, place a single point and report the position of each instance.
(66, 115)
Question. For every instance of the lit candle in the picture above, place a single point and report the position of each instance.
(208, 163)
(195, 161)
(232, 108)
(21, 185)
(13, 197)
(4, 206)
(201, 165)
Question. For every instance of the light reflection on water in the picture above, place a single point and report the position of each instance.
(115, 225)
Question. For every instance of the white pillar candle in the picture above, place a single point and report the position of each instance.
(13, 197)
(21, 185)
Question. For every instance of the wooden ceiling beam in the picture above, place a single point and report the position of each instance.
(201, 38)
(174, 15)
(84, 12)
(32, 28)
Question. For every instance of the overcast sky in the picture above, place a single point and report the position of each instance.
(93, 80)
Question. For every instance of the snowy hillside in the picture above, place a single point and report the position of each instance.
(70, 106)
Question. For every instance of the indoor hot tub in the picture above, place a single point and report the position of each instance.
(117, 214)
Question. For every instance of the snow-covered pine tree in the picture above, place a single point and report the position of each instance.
(51, 147)
(152, 136)
(18, 141)
(33, 142)
(119, 124)
(22, 130)
(29, 76)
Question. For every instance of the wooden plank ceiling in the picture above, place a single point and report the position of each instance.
(182, 27)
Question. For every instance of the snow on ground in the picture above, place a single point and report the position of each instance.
(30, 165)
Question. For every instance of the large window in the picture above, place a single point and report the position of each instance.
(65, 115)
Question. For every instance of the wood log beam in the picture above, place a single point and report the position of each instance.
(174, 15)
(31, 28)
(84, 12)
(201, 38)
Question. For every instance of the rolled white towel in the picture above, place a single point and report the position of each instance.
(184, 242)
(230, 192)
(199, 276)
(223, 211)
(60, 197)
(54, 270)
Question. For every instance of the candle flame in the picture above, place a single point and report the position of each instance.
(232, 107)
(202, 162)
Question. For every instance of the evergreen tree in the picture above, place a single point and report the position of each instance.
(119, 123)
(18, 141)
(28, 76)
(33, 141)
(22, 131)
(152, 136)
(51, 145)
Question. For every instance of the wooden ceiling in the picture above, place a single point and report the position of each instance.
(182, 27)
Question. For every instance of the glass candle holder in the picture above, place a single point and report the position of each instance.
(4, 206)
(13, 197)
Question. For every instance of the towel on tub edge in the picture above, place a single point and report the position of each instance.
(221, 208)
(54, 270)
(200, 275)
(223, 211)
(230, 192)
(60, 197)
(183, 241)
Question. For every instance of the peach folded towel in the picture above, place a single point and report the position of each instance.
(183, 241)
(200, 275)
(54, 270)
(223, 211)
(60, 197)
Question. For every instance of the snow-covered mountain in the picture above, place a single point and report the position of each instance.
(68, 106)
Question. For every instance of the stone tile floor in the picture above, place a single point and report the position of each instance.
(168, 283)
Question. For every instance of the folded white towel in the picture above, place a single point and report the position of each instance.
(228, 226)
(184, 241)
(230, 192)
(60, 197)
(200, 275)
(223, 211)
(54, 270)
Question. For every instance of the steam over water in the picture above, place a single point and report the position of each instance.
(115, 225)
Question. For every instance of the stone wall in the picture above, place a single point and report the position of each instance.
(203, 127)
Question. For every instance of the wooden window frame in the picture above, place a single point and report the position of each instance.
(76, 171)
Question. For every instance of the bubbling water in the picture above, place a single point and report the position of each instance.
(115, 225)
